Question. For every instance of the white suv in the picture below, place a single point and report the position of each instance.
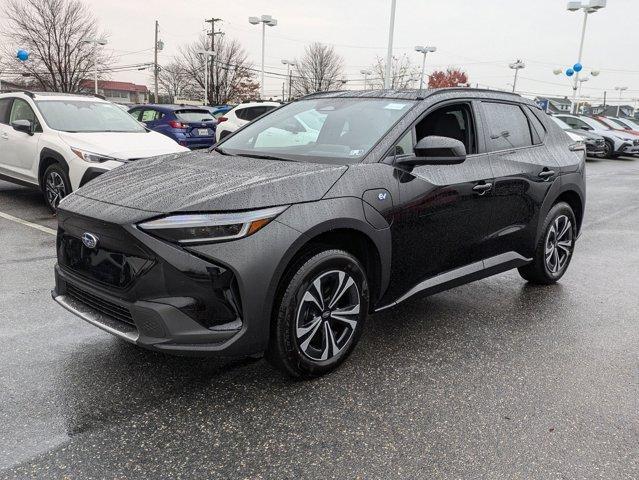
(240, 116)
(58, 142)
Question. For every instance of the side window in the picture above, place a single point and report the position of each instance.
(5, 106)
(537, 128)
(148, 116)
(252, 113)
(135, 114)
(576, 123)
(21, 110)
(405, 145)
(507, 126)
(453, 121)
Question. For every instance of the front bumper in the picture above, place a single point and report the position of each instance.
(629, 149)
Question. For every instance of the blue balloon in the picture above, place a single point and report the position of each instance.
(577, 67)
(22, 55)
(570, 72)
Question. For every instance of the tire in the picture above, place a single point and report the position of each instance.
(55, 186)
(555, 247)
(312, 334)
(609, 149)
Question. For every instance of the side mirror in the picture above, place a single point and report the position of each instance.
(434, 150)
(24, 126)
(586, 128)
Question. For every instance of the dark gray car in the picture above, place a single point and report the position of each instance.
(300, 224)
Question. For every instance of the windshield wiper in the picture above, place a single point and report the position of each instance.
(266, 157)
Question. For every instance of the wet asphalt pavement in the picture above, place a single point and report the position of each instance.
(495, 379)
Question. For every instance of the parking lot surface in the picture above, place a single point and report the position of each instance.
(495, 379)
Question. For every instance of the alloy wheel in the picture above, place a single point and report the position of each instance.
(559, 244)
(55, 189)
(327, 316)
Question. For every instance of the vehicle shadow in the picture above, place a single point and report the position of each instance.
(110, 381)
(25, 203)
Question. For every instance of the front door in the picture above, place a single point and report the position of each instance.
(443, 212)
(19, 149)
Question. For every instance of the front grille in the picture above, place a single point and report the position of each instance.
(102, 305)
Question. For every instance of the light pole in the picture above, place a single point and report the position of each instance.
(516, 66)
(289, 64)
(424, 50)
(579, 97)
(366, 73)
(95, 42)
(271, 22)
(588, 6)
(621, 90)
(205, 55)
(389, 53)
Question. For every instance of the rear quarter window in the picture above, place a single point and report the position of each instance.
(507, 126)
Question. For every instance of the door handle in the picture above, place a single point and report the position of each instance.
(482, 188)
(546, 174)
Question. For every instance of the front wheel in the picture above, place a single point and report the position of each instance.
(555, 247)
(320, 314)
(55, 186)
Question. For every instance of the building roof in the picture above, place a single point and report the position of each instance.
(114, 85)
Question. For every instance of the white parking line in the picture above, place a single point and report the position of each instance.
(50, 231)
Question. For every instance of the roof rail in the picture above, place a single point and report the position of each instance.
(26, 92)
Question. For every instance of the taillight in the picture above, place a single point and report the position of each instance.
(221, 119)
(176, 124)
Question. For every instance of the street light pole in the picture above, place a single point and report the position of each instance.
(366, 73)
(589, 6)
(424, 50)
(389, 53)
(516, 66)
(289, 73)
(205, 56)
(95, 42)
(265, 20)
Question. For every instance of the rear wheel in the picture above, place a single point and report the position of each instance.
(554, 248)
(55, 185)
(320, 314)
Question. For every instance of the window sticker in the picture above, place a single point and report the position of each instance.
(395, 106)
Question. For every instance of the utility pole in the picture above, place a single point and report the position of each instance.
(212, 34)
(155, 60)
(389, 53)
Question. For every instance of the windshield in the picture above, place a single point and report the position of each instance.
(561, 123)
(87, 116)
(194, 116)
(326, 130)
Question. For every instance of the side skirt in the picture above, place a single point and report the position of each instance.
(462, 275)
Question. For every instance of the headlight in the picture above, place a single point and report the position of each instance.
(190, 229)
(92, 157)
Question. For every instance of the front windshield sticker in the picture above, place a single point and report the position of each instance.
(355, 153)
(395, 106)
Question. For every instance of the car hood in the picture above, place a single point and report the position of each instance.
(207, 181)
(586, 134)
(123, 146)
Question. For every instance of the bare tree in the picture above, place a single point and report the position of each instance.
(319, 70)
(230, 73)
(403, 73)
(173, 80)
(52, 31)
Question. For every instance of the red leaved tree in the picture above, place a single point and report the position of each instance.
(450, 78)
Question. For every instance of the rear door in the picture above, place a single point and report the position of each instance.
(20, 150)
(524, 171)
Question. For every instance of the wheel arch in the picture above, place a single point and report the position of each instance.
(47, 158)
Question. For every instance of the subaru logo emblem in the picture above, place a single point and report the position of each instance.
(89, 240)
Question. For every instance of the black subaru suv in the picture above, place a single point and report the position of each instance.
(291, 231)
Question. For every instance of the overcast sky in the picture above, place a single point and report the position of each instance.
(480, 36)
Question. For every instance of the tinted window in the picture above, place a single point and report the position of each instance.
(538, 129)
(5, 104)
(576, 123)
(452, 121)
(150, 116)
(251, 113)
(507, 126)
(135, 114)
(194, 116)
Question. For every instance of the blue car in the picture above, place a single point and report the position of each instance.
(191, 127)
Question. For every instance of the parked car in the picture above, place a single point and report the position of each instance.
(614, 125)
(617, 142)
(287, 248)
(625, 123)
(240, 116)
(58, 142)
(191, 127)
(219, 110)
(595, 144)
